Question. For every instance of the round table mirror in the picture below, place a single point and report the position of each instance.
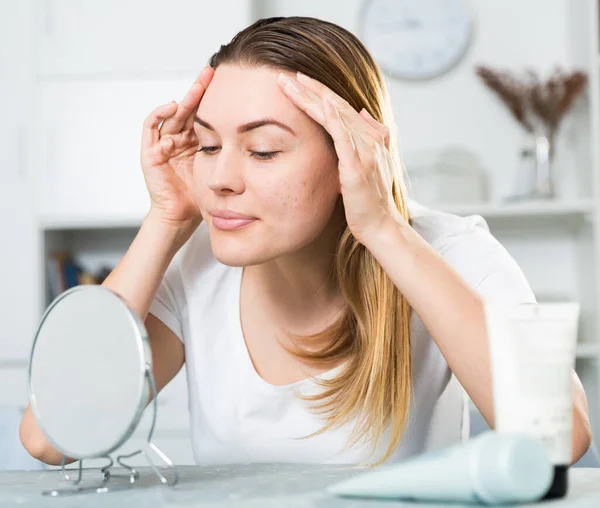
(90, 374)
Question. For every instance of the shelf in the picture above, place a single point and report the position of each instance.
(524, 209)
(14, 363)
(587, 351)
(486, 210)
(82, 222)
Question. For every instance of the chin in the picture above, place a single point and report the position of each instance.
(254, 246)
(232, 251)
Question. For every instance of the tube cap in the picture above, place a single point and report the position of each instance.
(512, 468)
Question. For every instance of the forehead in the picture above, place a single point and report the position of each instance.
(237, 95)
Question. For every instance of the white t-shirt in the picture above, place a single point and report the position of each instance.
(237, 417)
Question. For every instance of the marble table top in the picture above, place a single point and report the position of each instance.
(249, 485)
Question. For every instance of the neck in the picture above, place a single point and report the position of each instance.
(301, 287)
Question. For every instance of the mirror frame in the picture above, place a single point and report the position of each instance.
(143, 346)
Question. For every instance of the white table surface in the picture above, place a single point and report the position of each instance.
(258, 485)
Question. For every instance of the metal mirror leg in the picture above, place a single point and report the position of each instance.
(151, 444)
(133, 475)
(98, 487)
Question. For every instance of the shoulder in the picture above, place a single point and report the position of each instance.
(442, 229)
(469, 247)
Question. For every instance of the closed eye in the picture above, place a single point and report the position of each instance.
(265, 156)
(208, 149)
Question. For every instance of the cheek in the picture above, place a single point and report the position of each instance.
(304, 196)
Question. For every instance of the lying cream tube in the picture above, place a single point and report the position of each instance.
(491, 468)
(532, 354)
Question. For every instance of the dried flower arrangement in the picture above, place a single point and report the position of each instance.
(532, 101)
(539, 107)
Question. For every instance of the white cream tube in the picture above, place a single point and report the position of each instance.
(491, 468)
(532, 354)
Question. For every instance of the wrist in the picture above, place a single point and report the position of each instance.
(390, 232)
(172, 234)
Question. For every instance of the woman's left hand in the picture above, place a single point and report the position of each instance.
(361, 143)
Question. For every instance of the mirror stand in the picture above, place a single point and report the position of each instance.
(133, 475)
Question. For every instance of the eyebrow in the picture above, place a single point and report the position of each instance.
(251, 125)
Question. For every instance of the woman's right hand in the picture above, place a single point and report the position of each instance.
(167, 156)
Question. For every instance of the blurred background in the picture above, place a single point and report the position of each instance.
(498, 110)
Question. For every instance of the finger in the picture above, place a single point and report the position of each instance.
(165, 146)
(303, 98)
(321, 90)
(157, 154)
(150, 133)
(188, 105)
(345, 145)
(204, 79)
(385, 131)
(175, 123)
(368, 146)
(206, 73)
(318, 88)
(344, 107)
(312, 105)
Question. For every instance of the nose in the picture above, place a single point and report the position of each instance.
(225, 176)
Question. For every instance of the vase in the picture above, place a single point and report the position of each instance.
(534, 173)
(543, 187)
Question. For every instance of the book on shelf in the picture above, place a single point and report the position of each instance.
(64, 272)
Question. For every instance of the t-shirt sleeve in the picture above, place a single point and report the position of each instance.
(486, 265)
(167, 304)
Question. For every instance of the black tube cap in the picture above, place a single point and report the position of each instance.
(560, 483)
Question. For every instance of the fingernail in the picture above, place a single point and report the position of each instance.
(292, 85)
(283, 79)
(200, 75)
(302, 77)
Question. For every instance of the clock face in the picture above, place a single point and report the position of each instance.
(416, 39)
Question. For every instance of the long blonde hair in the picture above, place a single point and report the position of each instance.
(372, 337)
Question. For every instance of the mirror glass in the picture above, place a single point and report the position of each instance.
(87, 373)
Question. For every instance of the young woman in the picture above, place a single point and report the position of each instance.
(319, 315)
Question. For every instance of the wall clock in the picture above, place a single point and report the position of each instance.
(416, 39)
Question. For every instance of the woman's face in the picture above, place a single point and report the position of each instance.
(290, 194)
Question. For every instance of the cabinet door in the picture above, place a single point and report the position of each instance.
(19, 292)
(16, 58)
(88, 145)
(134, 36)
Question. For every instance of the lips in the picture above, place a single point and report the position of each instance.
(230, 214)
(228, 220)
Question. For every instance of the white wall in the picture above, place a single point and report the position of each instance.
(456, 109)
